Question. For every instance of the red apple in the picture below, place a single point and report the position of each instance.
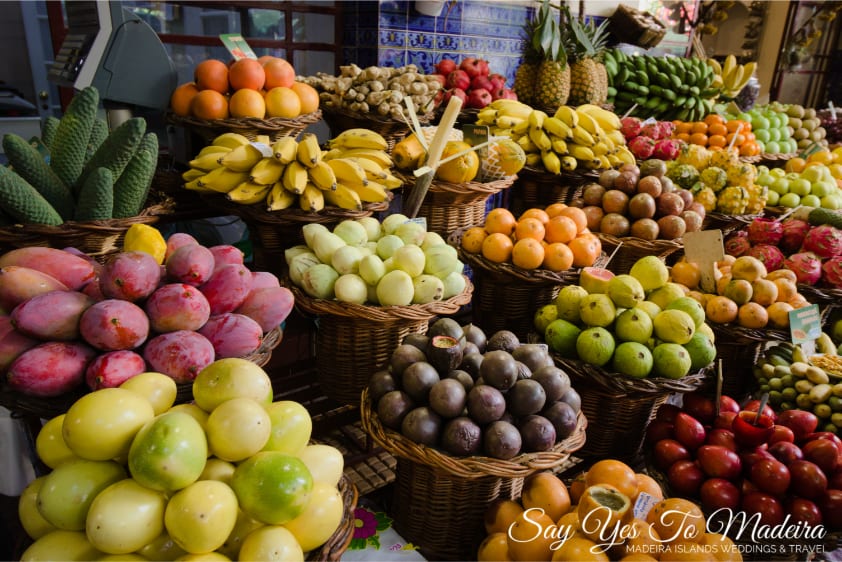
(825, 435)
(781, 433)
(474, 66)
(723, 437)
(770, 476)
(668, 451)
(804, 510)
(657, 430)
(728, 404)
(719, 462)
(689, 431)
(458, 79)
(498, 80)
(482, 82)
(699, 406)
(807, 480)
(751, 456)
(479, 98)
(823, 453)
(685, 478)
(717, 493)
(831, 507)
(458, 92)
(786, 452)
(446, 66)
(770, 509)
(503, 94)
(724, 420)
(801, 422)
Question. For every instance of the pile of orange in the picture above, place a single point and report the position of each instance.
(555, 238)
(264, 87)
(715, 133)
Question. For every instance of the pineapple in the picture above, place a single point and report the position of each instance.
(588, 78)
(527, 73)
(552, 86)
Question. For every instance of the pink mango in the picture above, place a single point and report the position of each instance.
(91, 260)
(268, 307)
(18, 284)
(12, 343)
(113, 369)
(177, 306)
(192, 264)
(227, 288)
(52, 316)
(226, 254)
(176, 241)
(50, 369)
(264, 280)
(71, 270)
(130, 276)
(232, 335)
(181, 354)
(114, 324)
(94, 291)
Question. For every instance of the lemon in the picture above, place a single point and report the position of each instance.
(144, 238)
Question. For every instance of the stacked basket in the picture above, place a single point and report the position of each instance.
(250, 127)
(450, 206)
(738, 349)
(627, 250)
(539, 188)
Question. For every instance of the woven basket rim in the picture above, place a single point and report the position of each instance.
(827, 295)
(339, 541)
(475, 466)
(732, 219)
(267, 124)
(622, 384)
(733, 332)
(416, 312)
(576, 175)
(633, 242)
(330, 110)
(472, 187)
(289, 216)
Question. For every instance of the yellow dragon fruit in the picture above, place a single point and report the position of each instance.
(732, 200)
(756, 199)
(695, 155)
(707, 198)
(714, 177)
(724, 159)
(742, 174)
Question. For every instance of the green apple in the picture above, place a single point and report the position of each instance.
(764, 178)
(785, 136)
(761, 135)
(772, 147)
(800, 186)
(812, 174)
(823, 188)
(772, 198)
(781, 185)
(790, 200)
(832, 202)
(778, 172)
(774, 135)
(811, 201)
(758, 122)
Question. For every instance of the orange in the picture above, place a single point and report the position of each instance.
(246, 73)
(647, 484)
(546, 491)
(500, 514)
(786, 289)
(500, 220)
(282, 102)
(209, 105)
(182, 97)
(561, 229)
(717, 141)
(307, 95)
(211, 74)
(247, 103)
(717, 129)
(529, 228)
(265, 58)
(554, 209)
(494, 547)
(699, 127)
(795, 165)
(821, 156)
(586, 249)
(721, 310)
(683, 137)
(764, 292)
(735, 124)
(699, 138)
(712, 119)
(528, 253)
(577, 487)
(579, 549)
(614, 472)
(752, 315)
(278, 73)
(683, 127)
(686, 273)
(750, 137)
(677, 519)
(749, 148)
(578, 216)
(798, 301)
(740, 139)
(472, 239)
(535, 213)
(557, 257)
(497, 247)
(524, 543)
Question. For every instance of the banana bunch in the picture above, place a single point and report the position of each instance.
(587, 136)
(731, 77)
(287, 172)
(664, 88)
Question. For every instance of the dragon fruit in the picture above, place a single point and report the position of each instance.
(832, 271)
(642, 147)
(651, 130)
(667, 149)
(738, 244)
(825, 241)
(806, 265)
(765, 231)
(630, 127)
(770, 255)
(794, 231)
(667, 129)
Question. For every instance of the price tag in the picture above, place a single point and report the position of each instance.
(420, 220)
(474, 135)
(237, 46)
(805, 327)
(264, 148)
(643, 504)
(648, 121)
(705, 248)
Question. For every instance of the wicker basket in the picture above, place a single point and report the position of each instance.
(822, 296)
(737, 359)
(354, 340)
(337, 544)
(536, 187)
(619, 408)
(630, 249)
(629, 25)
(390, 129)
(187, 205)
(440, 500)
(449, 206)
(249, 127)
(727, 223)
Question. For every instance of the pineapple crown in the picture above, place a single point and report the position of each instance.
(585, 40)
(546, 38)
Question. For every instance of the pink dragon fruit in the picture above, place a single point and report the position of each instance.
(770, 255)
(825, 241)
(765, 231)
(832, 271)
(642, 147)
(667, 149)
(794, 231)
(667, 129)
(738, 244)
(630, 127)
(806, 265)
(651, 130)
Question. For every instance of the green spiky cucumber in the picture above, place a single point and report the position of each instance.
(96, 196)
(28, 164)
(819, 216)
(132, 187)
(99, 132)
(117, 149)
(22, 202)
(48, 130)
(67, 149)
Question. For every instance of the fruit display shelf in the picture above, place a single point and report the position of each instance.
(625, 251)
(342, 119)
(536, 187)
(440, 500)
(274, 127)
(450, 206)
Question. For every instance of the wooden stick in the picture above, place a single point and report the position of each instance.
(627, 113)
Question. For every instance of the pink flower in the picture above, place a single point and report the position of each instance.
(365, 523)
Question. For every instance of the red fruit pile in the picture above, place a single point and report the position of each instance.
(767, 464)
(471, 81)
(72, 320)
(650, 138)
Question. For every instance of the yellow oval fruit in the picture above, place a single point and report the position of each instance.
(50, 445)
(461, 169)
(145, 238)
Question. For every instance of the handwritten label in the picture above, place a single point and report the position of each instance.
(643, 504)
(705, 248)
(420, 220)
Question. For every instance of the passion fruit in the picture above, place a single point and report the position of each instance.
(418, 379)
(393, 407)
(422, 425)
(444, 353)
(526, 397)
(538, 434)
(461, 437)
(485, 404)
(498, 369)
(403, 356)
(448, 398)
(501, 440)
(502, 340)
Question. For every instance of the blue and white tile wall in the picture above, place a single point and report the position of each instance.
(400, 35)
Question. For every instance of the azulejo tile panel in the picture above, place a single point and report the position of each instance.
(392, 38)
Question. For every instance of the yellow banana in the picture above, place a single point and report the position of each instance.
(371, 192)
(588, 123)
(567, 115)
(730, 64)
(616, 137)
(294, 178)
(625, 155)
(230, 140)
(194, 186)
(241, 159)
(604, 163)
(536, 119)
(511, 108)
(533, 158)
(359, 138)
(266, 172)
(568, 163)
(714, 64)
(213, 149)
(559, 146)
(208, 162)
(279, 198)
(557, 127)
(249, 193)
(322, 176)
(509, 122)
(748, 70)
(378, 156)
(264, 139)
(520, 129)
(192, 174)
(551, 161)
(222, 179)
(540, 138)
(487, 114)
(607, 120)
(581, 152)
(582, 137)
(615, 161)
(285, 149)
(373, 170)
(527, 145)
(600, 149)
(392, 182)
(733, 78)
(312, 200)
(344, 197)
(347, 171)
(309, 152)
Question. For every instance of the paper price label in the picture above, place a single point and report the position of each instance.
(805, 327)
(237, 46)
(705, 248)
(644, 503)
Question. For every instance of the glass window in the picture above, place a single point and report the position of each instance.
(312, 27)
(268, 24)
